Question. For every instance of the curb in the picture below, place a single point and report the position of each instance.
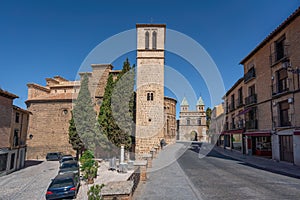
(253, 164)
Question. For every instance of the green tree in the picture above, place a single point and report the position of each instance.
(208, 117)
(94, 192)
(116, 112)
(85, 118)
(74, 138)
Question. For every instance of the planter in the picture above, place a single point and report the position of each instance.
(90, 181)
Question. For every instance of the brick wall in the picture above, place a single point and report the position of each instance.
(49, 126)
(6, 110)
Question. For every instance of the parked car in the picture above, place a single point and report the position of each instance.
(53, 156)
(69, 166)
(63, 186)
(66, 158)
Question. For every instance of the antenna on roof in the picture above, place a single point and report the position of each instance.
(151, 20)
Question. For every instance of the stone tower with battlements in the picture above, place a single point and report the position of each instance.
(150, 86)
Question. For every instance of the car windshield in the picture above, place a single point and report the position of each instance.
(66, 159)
(57, 183)
(69, 165)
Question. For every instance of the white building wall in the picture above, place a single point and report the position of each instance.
(296, 139)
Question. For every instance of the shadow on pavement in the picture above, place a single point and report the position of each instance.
(267, 167)
(29, 163)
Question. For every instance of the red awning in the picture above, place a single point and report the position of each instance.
(296, 132)
(257, 134)
(229, 132)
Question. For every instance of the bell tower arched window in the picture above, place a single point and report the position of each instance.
(147, 40)
(154, 40)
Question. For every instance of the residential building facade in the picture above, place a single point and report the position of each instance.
(271, 89)
(217, 125)
(234, 123)
(13, 134)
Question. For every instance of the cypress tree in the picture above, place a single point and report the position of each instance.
(74, 138)
(85, 119)
(116, 112)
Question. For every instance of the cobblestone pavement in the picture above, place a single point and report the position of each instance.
(29, 183)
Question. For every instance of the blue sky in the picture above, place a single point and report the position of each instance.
(41, 39)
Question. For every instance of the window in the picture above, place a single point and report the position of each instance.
(154, 40)
(199, 121)
(150, 96)
(279, 46)
(17, 117)
(12, 161)
(16, 138)
(232, 123)
(147, 40)
(284, 113)
(3, 160)
(188, 122)
(282, 78)
(232, 106)
(251, 119)
(250, 74)
(240, 97)
(252, 97)
(251, 90)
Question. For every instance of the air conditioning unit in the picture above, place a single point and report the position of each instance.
(290, 100)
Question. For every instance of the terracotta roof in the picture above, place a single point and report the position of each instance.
(170, 98)
(7, 94)
(55, 96)
(284, 24)
(36, 86)
(21, 110)
(59, 78)
(102, 65)
(234, 86)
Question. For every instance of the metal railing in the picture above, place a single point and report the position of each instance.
(252, 99)
(279, 55)
(251, 124)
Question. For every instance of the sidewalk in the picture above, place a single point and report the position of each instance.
(166, 180)
(284, 168)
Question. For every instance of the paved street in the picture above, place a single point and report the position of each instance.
(215, 176)
(220, 177)
(29, 183)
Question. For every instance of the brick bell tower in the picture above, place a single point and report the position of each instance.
(150, 86)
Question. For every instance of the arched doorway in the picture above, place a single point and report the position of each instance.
(194, 136)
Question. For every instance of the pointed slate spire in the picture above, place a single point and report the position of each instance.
(200, 102)
(184, 102)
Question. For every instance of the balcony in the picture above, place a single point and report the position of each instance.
(279, 55)
(240, 124)
(251, 124)
(250, 74)
(232, 126)
(226, 128)
(239, 102)
(231, 107)
(280, 87)
(252, 99)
